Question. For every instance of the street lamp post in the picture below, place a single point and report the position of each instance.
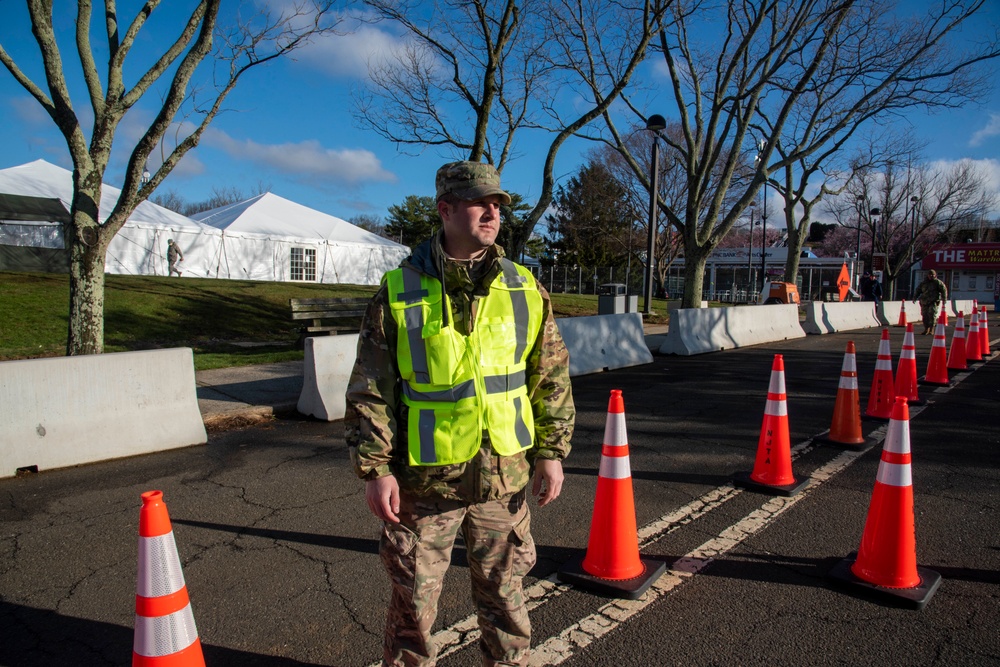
(913, 224)
(873, 216)
(857, 248)
(753, 207)
(654, 124)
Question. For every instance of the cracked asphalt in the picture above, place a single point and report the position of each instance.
(280, 554)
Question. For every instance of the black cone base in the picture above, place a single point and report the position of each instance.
(924, 381)
(825, 439)
(742, 479)
(908, 598)
(629, 589)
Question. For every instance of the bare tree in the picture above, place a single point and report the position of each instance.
(229, 50)
(477, 74)
(916, 206)
(799, 74)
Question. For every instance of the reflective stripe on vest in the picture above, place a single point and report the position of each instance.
(455, 385)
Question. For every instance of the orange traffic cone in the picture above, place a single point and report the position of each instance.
(612, 565)
(772, 470)
(902, 314)
(984, 332)
(973, 353)
(956, 358)
(937, 363)
(165, 633)
(906, 371)
(886, 564)
(845, 429)
(882, 395)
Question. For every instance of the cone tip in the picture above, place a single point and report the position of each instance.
(850, 347)
(152, 497)
(153, 517)
(779, 363)
(909, 327)
(901, 409)
(885, 333)
(615, 403)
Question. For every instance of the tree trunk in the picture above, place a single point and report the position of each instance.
(88, 251)
(86, 299)
(694, 279)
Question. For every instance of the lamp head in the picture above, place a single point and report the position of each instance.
(656, 122)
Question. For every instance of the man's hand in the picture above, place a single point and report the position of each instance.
(382, 495)
(548, 481)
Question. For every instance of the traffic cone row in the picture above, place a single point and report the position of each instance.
(957, 360)
(612, 565)
(845, 428)
(937, 362)
(973, 353)
(984, 332)
(906, 372)
(165, 632)
(882, 395)
(772, 470)
(885, 566)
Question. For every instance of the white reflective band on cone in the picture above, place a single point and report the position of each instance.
(883, 364)
(894, 474)
(849, 382)
(159, 567)
(615, 467)
(614, 429)
(777, 383)
(897, 440)
(776, 408)
(163, 635)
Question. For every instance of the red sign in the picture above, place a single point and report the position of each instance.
(963, 256)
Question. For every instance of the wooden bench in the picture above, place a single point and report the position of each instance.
(336, 315)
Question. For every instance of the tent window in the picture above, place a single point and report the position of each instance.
(303, 264)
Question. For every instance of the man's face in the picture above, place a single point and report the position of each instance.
(470, 226)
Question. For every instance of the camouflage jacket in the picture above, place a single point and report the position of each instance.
(376, 416)
(930, 291)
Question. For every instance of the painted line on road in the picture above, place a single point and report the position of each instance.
(556, 650)
(465, 632)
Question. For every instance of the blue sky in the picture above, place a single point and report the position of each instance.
(289, 126)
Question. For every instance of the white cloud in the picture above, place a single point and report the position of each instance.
(349, 55)
(992, 129)
(350, 166)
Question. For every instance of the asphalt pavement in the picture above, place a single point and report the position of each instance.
(280, 552)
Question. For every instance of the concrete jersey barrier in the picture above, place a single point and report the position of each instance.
(830, 317)
(604, 342)
(326, 371)
(595, 343)
(701, 330)
(67, 411)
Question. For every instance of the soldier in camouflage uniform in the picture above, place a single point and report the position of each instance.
(482, 490)
(932, 293)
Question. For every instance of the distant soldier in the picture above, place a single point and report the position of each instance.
(932, 293)
(174, 258)
(460, 390)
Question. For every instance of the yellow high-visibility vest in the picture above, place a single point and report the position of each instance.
(457, 386)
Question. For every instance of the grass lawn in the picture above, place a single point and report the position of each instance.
(225, 322)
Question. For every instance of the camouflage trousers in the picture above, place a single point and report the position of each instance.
(416, 554)
(929, 314)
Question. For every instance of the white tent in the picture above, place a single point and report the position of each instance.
(140, 247)
(282, 240)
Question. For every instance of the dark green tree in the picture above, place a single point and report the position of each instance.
(515, 227)
(591, 224)
(413, 221)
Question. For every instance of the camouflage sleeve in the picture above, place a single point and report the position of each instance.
(549, 388)
(370, 421)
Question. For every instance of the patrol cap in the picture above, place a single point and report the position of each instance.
(470, 181)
